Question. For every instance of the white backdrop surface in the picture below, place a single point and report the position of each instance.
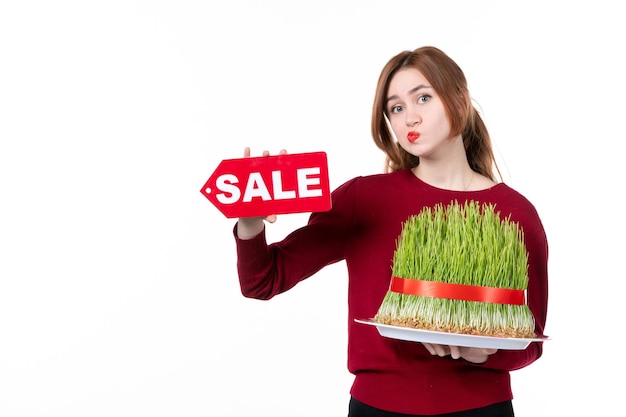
(118, 287)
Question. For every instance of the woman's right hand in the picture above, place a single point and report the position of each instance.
(249, 227)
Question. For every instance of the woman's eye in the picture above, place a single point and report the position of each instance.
(423, 99)
(395, 109)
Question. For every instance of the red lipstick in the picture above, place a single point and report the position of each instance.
(413, 136)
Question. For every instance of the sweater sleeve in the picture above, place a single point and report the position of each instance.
(266, 270)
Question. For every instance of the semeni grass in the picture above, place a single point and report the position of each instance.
(465, 244)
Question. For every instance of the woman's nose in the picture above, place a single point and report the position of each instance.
(412, 117)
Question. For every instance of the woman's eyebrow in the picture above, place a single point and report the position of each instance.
(411, 91)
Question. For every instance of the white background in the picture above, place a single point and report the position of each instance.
(118, 288)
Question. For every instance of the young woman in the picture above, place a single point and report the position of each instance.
(438, 150)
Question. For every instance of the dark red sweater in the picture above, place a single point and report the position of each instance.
(361, 228)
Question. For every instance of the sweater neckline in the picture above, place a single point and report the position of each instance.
(432, 187)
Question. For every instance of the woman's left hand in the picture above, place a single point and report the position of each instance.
(474, 355)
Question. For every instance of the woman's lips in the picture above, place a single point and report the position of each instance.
(413, 136)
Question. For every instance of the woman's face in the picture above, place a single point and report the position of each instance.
(417, 115)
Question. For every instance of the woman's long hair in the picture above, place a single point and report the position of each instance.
(448, 80)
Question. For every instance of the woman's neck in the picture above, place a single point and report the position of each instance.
(448, 176)
(448, 169)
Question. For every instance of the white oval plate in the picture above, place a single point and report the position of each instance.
(451, 339)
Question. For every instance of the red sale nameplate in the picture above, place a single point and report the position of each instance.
(260, 186)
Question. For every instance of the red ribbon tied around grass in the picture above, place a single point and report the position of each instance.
(457, 291)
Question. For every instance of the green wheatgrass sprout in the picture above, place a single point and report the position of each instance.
(461, 244)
